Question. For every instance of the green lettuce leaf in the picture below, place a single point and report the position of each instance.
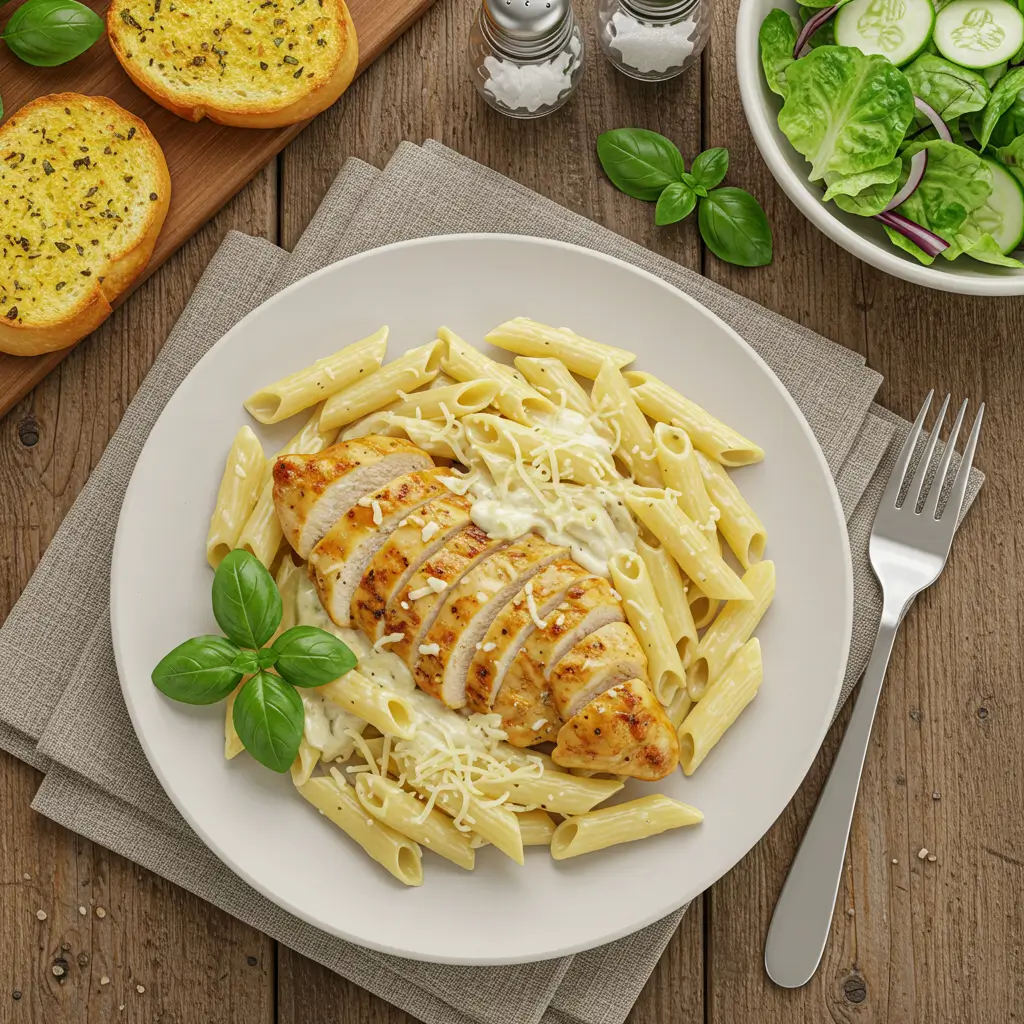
(1005, 110)
(846, 113)
(1011, 157)
(871, 202)
(854, 184)
(950, 90)
(826, 35)
(778, 40)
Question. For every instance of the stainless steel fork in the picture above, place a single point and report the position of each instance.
(908, 550)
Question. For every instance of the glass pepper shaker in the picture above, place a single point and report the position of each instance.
(526, 56)
(653, 40)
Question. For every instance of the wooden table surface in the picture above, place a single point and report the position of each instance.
(913, 940)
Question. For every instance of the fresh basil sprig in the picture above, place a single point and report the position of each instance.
(46, 33)
(267, 713)
(647, 166)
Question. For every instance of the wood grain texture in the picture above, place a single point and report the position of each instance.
(928, 942)
(208, 162)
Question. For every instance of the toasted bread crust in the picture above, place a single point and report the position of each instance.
(320, 93)
(123, 267)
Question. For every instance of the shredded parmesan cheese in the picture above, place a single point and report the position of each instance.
(429, 649)
(239, 472)
(378, 516)
(391, 638)
(428, 531)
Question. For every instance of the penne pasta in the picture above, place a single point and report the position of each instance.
(671, 596)
(680, 536)
(709, 435)
(383, 708)
(679, 708)
(314, 384)
(336, 800)
(304, 763)
(553, 379)
(417, 367)
(526, 337)
(237, 495)
(557, 792)
(515, 398)
(644, 614)
(702, 608)
(233, 744)
(720, 706)
(677, 461)
(456, 400)
(405, 813)
(623, 823)
(731, 630)
(614, 401)
(287, 578)
(435, 437)
(536, 827)
(742, 529)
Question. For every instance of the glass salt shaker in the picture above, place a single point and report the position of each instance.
(526, 56)
(653, 40)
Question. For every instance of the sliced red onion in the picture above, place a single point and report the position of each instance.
(810, 28)
(924, 239)
(933, 115)
(918, 165)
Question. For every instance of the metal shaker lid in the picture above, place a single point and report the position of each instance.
(527, 28)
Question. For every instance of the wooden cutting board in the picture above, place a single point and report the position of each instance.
(208, 162)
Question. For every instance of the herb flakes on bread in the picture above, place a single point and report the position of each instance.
(248, 64)
(84, 191)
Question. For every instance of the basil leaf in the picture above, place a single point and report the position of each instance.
(734, 227)
(46, 33)
(307, 656)
(710, 167)
(199, 671)
(246, 601)
(247, 662)
(638, 162)
(674, 204)
(269, 719)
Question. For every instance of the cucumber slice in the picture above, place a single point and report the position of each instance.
(979, 33)
(897, 29)
(1002, 215)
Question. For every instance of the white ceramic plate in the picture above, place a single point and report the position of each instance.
(254, 821)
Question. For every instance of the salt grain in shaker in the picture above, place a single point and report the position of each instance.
(526, 56)
(653, 40)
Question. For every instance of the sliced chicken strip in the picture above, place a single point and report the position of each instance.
(610, 655)
(525, 700)
(413, 609)
(624, 731)
(337, 563)
(514, 623)
(415, 540)
(312, 492)
(449, 645)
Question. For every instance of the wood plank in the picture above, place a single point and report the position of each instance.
(209, 163)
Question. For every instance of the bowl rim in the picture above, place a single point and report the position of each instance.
(798, 190)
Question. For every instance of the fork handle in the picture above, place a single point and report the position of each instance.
(803, 915)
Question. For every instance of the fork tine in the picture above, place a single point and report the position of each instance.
(899, 470)
(916, 488)
(963, 474)
(931, 506)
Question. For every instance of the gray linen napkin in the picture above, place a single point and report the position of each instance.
(100, 784)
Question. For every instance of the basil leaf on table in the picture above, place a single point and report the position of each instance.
(674, 204)
(638, 162)
(202, 670)
(710, 167)
(269, 718)
(308, 656)
(734, 227)
(246, 601)
(46, 33)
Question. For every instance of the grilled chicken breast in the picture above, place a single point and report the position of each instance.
(311, 492)
(450, 643)
(624, 731)
(337, 563)
(408, 547)
(610, 655)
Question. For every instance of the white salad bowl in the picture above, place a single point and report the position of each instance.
(862, 236)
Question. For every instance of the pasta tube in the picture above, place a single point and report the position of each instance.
(236, 497)
(687, 544)
(709, 435)
(335, 799)
(633, 582)
(614, 402)
(623, 823)
(552, 378)
(385, 709)
(537, 828)
(731, 630)
(398, 808)
(315, 383)
(679, 469)
(288, 576)
(581, 355)
(702, 608)
(679, 708)
(557, 792)
(720, 706)
(671, 596)
(417, 367)
(456, 400)
(435, 437)
(515, 398)
(742, 529)
(305, 761)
